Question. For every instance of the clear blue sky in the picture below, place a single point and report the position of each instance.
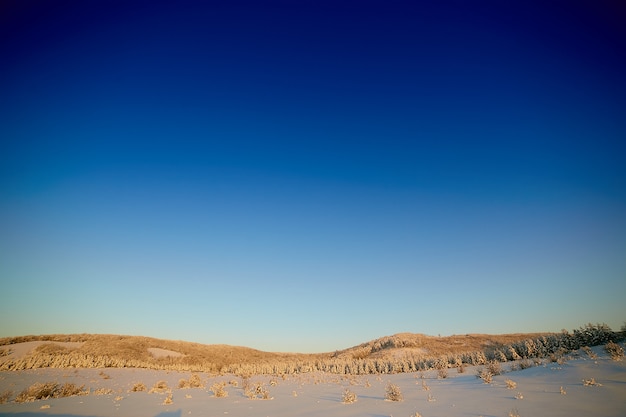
(309, 175)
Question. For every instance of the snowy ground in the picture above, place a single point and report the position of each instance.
(538, 393)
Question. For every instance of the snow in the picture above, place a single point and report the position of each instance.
(538, 393)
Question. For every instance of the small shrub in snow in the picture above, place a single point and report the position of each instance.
(139, 386)
(510, 384)
(591, 383)
(514, 413)
(218, 390)
(103, 391)
(194, 381)
(590, 352)
(615, 350)
(393, 393)
(485, 375)
(494, 367)
(259, 392)
(348, 397)
(4, 397)
(160, 386)
(563, 391)
(168, 400)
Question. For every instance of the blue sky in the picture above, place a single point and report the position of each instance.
(307, 176)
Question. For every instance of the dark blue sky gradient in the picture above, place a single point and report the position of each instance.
(338, 168)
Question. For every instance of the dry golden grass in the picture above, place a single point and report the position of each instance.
(103, 391)
(138, 386)
(4, 397)
(615, 350)
(434, 346)
(348, 397)
(160, 386)
(219, 389)
(168, 400)
(194, 381)
(404, 352)
(42, 391)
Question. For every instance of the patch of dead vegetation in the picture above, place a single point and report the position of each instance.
(43, 391)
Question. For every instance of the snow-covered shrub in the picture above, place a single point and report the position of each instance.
(393, 393)
(348, 397)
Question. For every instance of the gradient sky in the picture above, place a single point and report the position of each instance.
(309, 175)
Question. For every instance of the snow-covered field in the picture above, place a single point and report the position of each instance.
(537, 393)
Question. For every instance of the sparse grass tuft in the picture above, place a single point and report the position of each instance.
(168, 400)
(160, 386)
(393, 393)
(514, 413)
(591, 383)
(510, 384)
(348, 397)
(194, 381)
(589, 352)
(103, 391)
(139, 386)
(563, 392)
(485, 375)
(218, 389)
(4, 397)
(69, 390)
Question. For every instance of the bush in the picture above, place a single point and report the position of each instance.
(4, 397)
(160, 386)
(194, 381)
(139, 386)
(168, 400)
(494, 368)
(348, 397)
(510, 384)
(615, 350)
(485, 375)
(218, 390)
(393, 393)
(259, 392)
